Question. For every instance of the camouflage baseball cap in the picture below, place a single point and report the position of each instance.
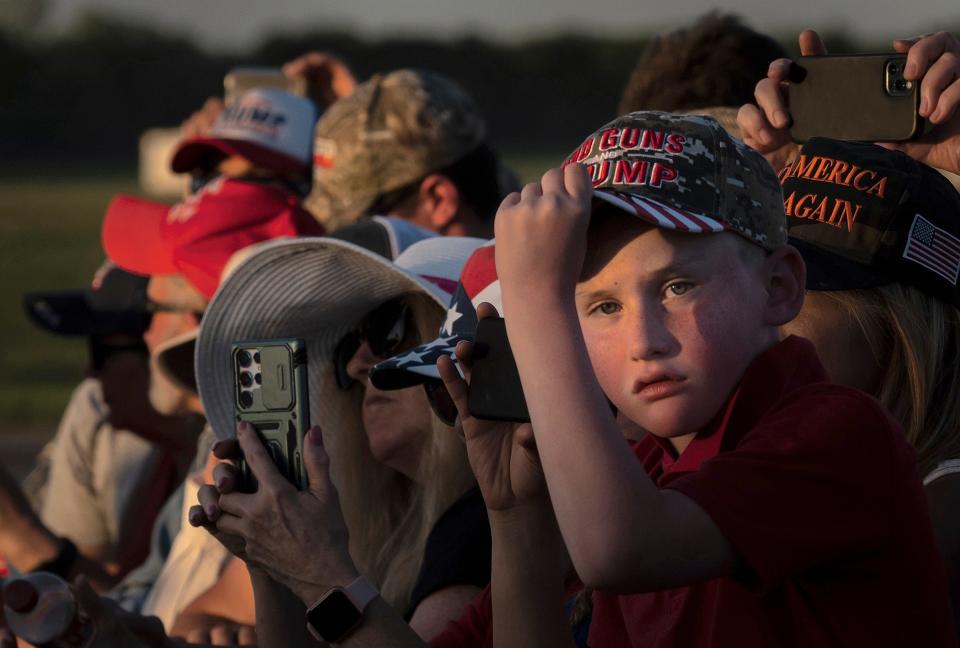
(393, 130)
(686, 173)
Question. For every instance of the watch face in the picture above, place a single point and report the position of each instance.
(334, 616)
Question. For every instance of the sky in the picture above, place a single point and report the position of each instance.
(235, 24)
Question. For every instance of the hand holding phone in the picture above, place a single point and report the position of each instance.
(862, 98)
(932, 62)
(271, 393)
(503, 454)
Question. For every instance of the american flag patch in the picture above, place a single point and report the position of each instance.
(933, 248)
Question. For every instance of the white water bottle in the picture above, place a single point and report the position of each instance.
(41, 609)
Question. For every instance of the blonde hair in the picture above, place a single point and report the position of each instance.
(388, 515)
(915, 339)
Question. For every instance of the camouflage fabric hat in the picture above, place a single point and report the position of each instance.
(392, 131)
(686, 173)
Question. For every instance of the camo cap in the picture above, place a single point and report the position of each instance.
(685, 173)
(393, 130)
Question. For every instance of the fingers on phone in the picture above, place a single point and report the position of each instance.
(226, 477)
(754, 127)
(922, 54)
(947, 105)
(486, 309)
(811, 44)
(455, 385)
(256, 456)
(779, 69)
(227, 449)
(209, 499)
(944, 73)
(770, 96)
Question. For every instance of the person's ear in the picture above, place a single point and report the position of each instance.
(440, 201)
(785, 275)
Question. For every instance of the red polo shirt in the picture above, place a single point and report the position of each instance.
(816, 489)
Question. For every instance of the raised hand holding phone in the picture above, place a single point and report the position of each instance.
(502, 454)
(933, 61)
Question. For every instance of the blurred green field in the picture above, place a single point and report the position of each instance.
(50, 234)
(50, 239)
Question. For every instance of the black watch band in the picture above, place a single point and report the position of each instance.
(62, 563)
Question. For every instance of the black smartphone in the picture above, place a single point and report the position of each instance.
(271, 393)
(495, 389)
(862, 98)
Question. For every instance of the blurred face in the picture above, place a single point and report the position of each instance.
(841, 344)
(179, 303)
(396, 422)
(671, 321)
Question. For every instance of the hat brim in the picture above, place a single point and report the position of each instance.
(314, 289)
(659, 214)
(417, 366)
(829, 271)
(68, 312)
(198, 152)
(131, 236)
(175, 359)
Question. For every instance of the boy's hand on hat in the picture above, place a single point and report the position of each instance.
(328, 78)
(541, 235)
(299, 538)
(503, 455)
(765, 127)
(934, 61)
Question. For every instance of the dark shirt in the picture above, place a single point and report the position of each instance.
(457, 550)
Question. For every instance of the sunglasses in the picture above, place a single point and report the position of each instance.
(388, 330)
(440, 401)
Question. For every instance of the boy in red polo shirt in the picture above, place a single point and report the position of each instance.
(770, 507)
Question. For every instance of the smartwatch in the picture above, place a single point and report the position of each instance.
(340, 611)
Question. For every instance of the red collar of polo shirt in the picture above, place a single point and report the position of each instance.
(774, 373)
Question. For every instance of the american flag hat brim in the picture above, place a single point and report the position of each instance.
(478, 284)
(659, 214)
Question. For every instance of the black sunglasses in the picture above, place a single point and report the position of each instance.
(388, 329)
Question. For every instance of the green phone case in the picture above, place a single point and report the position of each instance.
(270, 392)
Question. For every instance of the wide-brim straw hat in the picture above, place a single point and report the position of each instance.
(315, 289)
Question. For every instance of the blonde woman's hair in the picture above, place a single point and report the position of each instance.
(915, 339)
(388, 515)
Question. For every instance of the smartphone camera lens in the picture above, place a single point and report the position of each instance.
(894, 68)
(243, 358)
(256, 357)
(246, 379)
(259, 379)
(246, 399)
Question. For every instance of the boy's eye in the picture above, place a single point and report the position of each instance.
(608, 308)
(678, 288)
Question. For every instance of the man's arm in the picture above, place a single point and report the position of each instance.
(622, 532)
